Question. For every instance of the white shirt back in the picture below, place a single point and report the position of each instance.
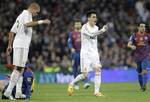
(23, 33)
(88, 43)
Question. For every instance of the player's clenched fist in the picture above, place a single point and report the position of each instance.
(8, 51)
(46, 21)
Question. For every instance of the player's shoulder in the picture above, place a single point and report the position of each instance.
(84, 25)
(25, 12)
(96, 27)
(134, 34)
(147, 33)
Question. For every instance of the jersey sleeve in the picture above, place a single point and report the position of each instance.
(70, 45)
(14, 27)
(132, 38)
(149, 38)
(84, 30)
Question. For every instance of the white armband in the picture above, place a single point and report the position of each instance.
(40, 22)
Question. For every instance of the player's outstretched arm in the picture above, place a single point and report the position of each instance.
(10, 41)
(101, 31)
(39, 22)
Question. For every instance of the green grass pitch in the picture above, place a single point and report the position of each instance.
(114, 92)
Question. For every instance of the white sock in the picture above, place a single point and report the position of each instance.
(13, 80)
(97, 82)
(19, 85)
(78, 78)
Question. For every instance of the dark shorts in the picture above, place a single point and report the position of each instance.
(142, 65)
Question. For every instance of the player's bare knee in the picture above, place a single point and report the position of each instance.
(97, 69)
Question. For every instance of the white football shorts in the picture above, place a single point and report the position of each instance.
(20, 56)
(89, 63)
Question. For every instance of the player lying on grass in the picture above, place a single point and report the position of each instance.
(27, 86)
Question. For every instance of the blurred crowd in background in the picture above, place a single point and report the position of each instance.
(49, 50)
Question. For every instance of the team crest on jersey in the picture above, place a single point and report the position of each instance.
(145, 38)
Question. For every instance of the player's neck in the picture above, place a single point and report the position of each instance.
(77, 30)
(91, 24)
(141, 33)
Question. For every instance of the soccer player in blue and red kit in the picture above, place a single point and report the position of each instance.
(74, 43)
(139, 43)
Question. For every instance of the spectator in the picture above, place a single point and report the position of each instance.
(49, 45)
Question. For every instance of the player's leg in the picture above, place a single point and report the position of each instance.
(2, 85)
(83, 75)
(75, 68)
(85, 64)
(145, 65)
(76, 65)
(18, 93)
(20, 80)
(96, 65)
(97, 81)
(3, 96)
(13, 81)
(27, 86)
(76, 80)
(15, 74)
(140, 77)
(86, 81)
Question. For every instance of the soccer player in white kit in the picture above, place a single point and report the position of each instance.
(23, 30)
(89, 53)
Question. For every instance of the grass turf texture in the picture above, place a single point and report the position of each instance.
(115, 92)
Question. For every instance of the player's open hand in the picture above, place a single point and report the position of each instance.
(8, 51)
(46, 21)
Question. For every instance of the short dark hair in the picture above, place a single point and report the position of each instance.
(88, 14)
(141, 23)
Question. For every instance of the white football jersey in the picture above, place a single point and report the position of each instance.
(23, 34)
(88, 42)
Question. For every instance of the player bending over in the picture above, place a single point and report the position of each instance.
(23, 30)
